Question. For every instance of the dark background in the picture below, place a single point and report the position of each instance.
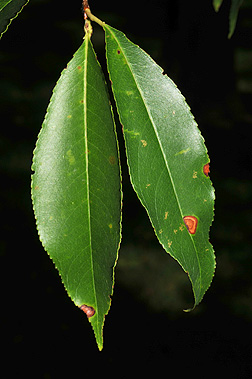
(42, 333)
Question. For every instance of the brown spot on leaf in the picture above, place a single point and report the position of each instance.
(118, 52)
(206, 169)
(88, 310)
(191, 223)
(112, 160)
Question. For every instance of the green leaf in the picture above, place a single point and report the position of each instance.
(234, 10)
(217, 4)
(76, 187)
(9, 9)
(166, 156)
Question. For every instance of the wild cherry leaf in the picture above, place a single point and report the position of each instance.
(9, 9)
(76, 187)
(217, 4)
(167, 158)
(233, 15)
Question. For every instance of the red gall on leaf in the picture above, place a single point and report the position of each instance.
(88, 310)
(191, 223)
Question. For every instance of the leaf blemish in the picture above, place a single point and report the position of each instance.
(206, 169)
(182, 227)
(166, 215)
(129, 93)
(70, 157)
(169, 243)
(194, 174)
(89, 311)
(144, 142)
(132, 132)
(182, 151)
(118, 52)
(112, 160)
(191, 223)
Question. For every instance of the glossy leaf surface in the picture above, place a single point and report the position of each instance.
(9, 9)
(166, 157)
(76, 187)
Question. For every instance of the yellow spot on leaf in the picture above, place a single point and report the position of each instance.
(175, 231)
(70, 157)
(160, 231)
(132, 132)
(144, 142)
(166, 215)
(169, 243)
(182, 151)
(194, 174)
(182, 227)
(110, 226)
(69, 116)
(148, 185)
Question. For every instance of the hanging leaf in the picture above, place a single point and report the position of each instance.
(217, 4)
(167, 158)
(233, 14)
(9, 9)
(234, 10)
(76, 186)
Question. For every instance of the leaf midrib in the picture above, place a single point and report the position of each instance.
(160, 145)
(85, 78)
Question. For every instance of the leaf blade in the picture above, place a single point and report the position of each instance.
(233, 15)
(217, 4)
(76, 188)
(164, 149)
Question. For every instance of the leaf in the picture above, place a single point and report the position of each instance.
(9, 9)
(166, 157)
(233, 14)
(234, 10)
(76, 187)
(217, 4)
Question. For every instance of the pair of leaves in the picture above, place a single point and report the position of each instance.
(76, 187)
(233, 14)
